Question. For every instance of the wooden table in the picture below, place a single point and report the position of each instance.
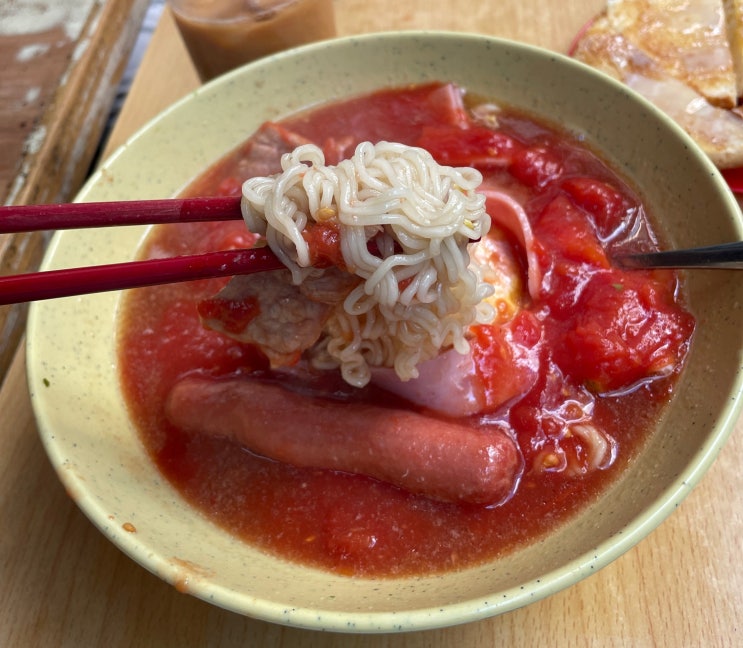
(63, 584)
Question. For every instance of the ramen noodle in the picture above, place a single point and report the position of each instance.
(418, 293)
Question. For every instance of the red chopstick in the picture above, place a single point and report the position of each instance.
(118, 276)
(77, 281)
(28, 218)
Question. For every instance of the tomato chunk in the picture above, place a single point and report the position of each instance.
(506, 359)
(536, 166)
(475, 146)
(386, 115)
(324, 240)
(623, 331)
(569, 234)
(607, 205)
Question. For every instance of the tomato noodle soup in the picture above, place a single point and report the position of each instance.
(602, 347)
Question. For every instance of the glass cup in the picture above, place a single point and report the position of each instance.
(223, 34)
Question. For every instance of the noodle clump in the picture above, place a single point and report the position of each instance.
(405, 223)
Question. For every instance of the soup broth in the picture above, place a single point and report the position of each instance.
(610, 347)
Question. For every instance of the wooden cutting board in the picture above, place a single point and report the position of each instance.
(61, 64)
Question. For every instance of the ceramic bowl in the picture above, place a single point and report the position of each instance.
(93, 444)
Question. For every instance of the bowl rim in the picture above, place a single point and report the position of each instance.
(423, 618)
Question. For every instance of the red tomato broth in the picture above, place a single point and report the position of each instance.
(355, 525)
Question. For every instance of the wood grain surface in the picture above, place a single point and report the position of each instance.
(63, 584)
(62, 62)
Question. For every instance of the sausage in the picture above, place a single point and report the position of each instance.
(438, 459)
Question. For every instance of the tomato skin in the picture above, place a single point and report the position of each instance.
(536, 167)
(608, 328)
(475, 146)
(385, 115)
(623, 330)
(568, 234)
(569, 252)
(505, 358)
(324, 240)
(607, 206)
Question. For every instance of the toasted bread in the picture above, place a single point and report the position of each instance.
(687, 38)
(734, 21)
(683, 61)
